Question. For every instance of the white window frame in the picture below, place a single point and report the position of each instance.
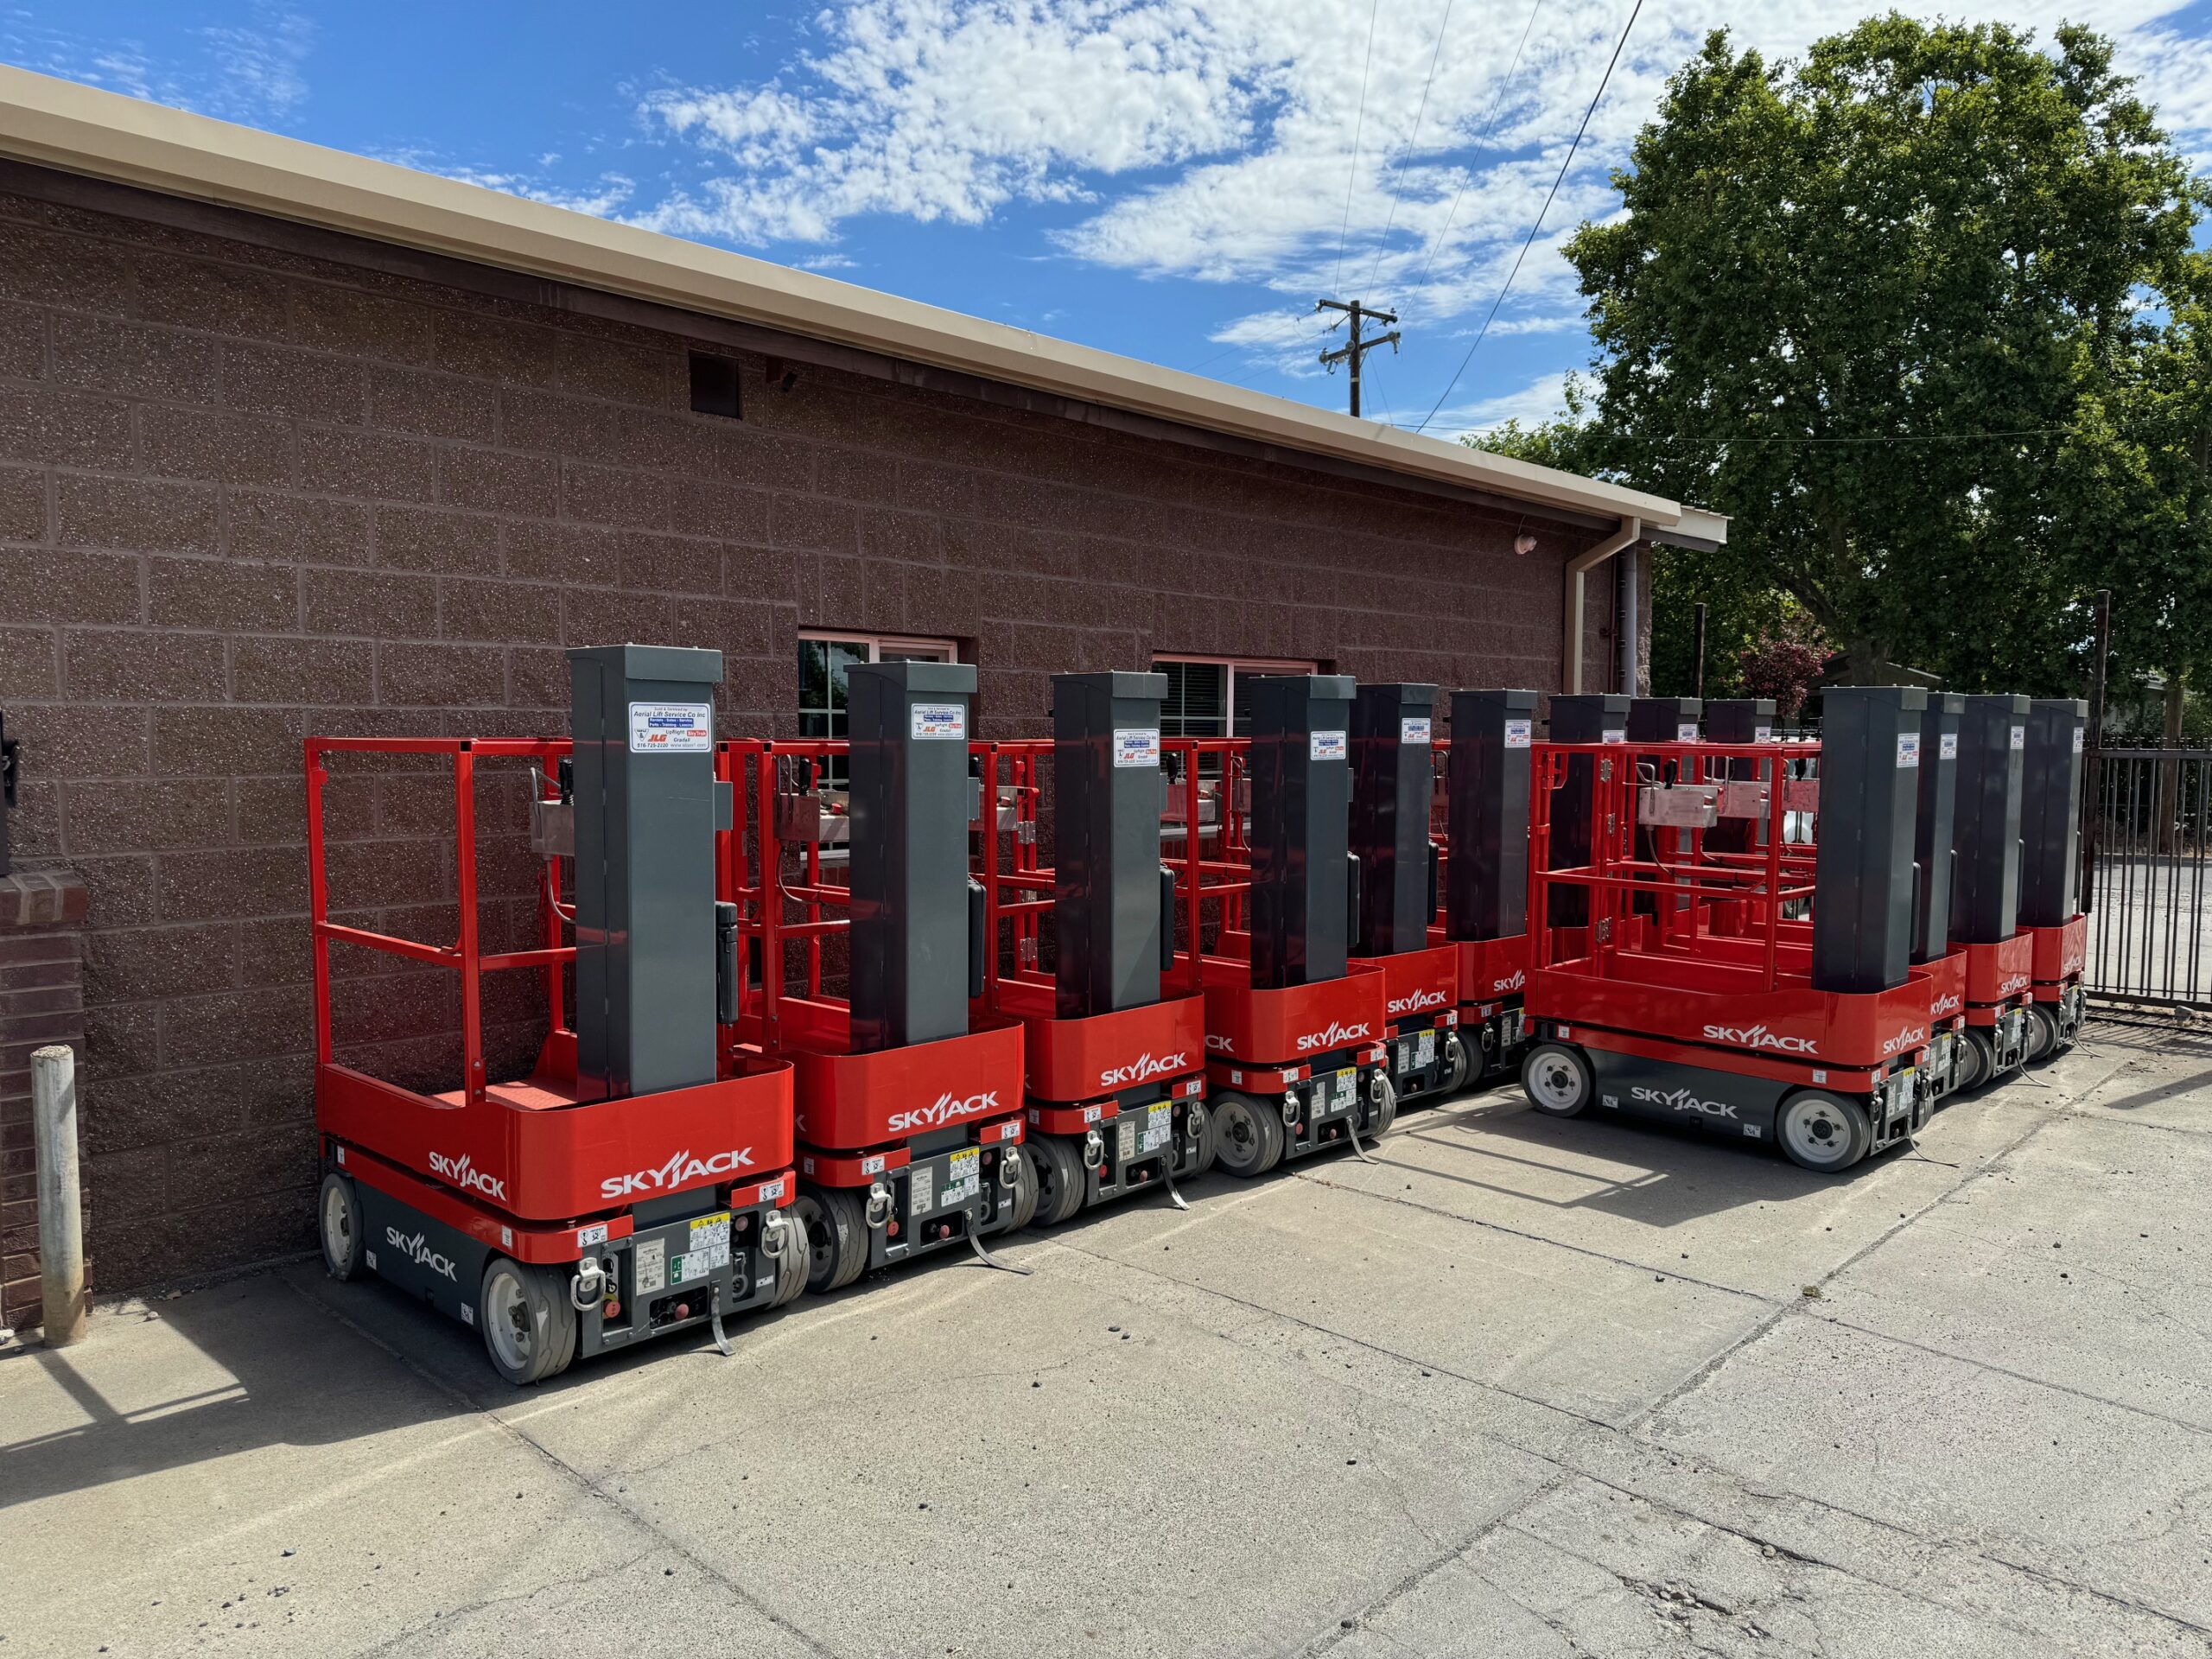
(911, 648)
(1237, 665)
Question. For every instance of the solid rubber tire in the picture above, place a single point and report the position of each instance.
(1021, 1206)
(1380, 1118)
(1552, 1054)
(1974, 1059)
(1858, 1132)
(1209, 1142)
(791, 1265)
(1464, 1066)
(837, 1252)
(347, 1266)
(543, 1298)
(1056, 1163)
(2043, 1040)
(1264, 1149)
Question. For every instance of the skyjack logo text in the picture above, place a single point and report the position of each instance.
(1144, 1068)
(1417, 1002)
(1949, 1004)
(680, 1171)
(2018, 982)
(948, 1109)
(1912, 1036)
(463, 1173)
(1513, 982)
(1335, 1037)
(1682, 1100)
(1759, 1037)
(415, 1247)
(1218, 1043)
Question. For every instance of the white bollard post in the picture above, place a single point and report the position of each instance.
(60, 1221)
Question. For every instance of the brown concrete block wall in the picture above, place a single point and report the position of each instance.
(245, 495)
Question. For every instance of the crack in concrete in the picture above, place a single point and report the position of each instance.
(399, 1643)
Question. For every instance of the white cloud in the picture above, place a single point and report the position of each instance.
(258, 69)
(1216, 142)
(602, 200)
(1543, 398)
(253, 72)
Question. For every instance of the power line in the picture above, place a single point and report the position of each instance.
(1358, 125)
(1490, 122)
(1413, 138)
(1537, 226)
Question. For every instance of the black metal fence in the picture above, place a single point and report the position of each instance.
(2148, 883)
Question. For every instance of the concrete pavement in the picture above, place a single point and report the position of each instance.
(1516, 1388)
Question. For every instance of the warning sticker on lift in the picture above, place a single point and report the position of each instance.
(708, 1249)
(1762, 733)
(1614, 735)
(2077, 739)
(1947, 747)
(1908, 751)
(964, 1177)
(1136, 746)
(1327, 745)
(1413, 728)
(652, 1265)
(2019, 737)
(1333, 1093)
(940, 719)
(671, 729)
(1686, 732)
(921, 1191)
(1416, 1051)
(1159, 1127)
(1516, 733)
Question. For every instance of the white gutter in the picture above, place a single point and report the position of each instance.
(1580, 565)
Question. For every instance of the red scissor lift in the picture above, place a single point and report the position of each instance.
(558, 1216)
(1294, 1055)
(1713, 1010)
(908, 1093)
(1397, 864)
(1115, 1033)
(1483, 913)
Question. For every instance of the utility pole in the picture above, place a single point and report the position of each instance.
(1356, 348)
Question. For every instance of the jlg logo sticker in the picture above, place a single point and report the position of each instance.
(415, 1247)
(1682, 1100)
(1417, 1002)
(1759, 1037)
(948, 1109)
(1144, 1068)
(679, 1171)
(463, 1173)
(1335, 1037)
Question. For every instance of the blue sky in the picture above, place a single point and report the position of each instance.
(1177, 179)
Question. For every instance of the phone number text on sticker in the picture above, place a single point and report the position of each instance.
(940, 719)
(1327, 745)
(1136, 746)
(671, 729)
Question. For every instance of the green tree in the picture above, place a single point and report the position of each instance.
(2131, 497)
(1855, 302)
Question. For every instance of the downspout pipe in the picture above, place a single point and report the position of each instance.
(1578, 568)
(1631, 638)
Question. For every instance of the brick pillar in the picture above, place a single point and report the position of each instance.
(41, 1001)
